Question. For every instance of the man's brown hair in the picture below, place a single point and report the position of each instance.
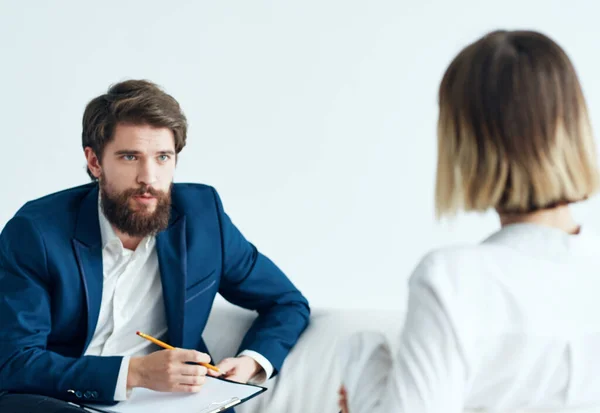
(137, 102)
(513, 128)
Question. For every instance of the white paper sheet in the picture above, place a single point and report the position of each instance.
(213, 394)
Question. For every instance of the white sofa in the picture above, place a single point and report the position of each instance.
(310, 377)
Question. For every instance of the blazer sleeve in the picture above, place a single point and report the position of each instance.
(252, 281)
(26, 366)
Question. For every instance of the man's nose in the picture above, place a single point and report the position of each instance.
(146, 174)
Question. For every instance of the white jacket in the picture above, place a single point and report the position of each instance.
(511, 323)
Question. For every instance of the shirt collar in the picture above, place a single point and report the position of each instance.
(107, 233)
(535, 239)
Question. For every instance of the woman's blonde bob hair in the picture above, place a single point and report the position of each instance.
(513, 128)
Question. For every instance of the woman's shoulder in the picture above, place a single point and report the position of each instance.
(459, 268)
(465, 286)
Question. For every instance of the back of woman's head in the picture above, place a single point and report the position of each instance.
(513, 129)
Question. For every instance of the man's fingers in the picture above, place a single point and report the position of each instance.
(227, 364)
(214, 373)
(193, 370)
(235, 377)
(192, 380)
(191, 356)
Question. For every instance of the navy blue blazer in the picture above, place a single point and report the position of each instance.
(51, 289)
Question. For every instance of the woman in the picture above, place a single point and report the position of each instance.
(513, 322)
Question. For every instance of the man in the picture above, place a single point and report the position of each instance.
(82, 270)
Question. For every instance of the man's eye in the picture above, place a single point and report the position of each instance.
(129, 157)
(163, 158)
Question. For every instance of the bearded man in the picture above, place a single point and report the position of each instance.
(84, 269)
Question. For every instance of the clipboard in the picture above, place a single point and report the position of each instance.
(227, 393)
(214, 407)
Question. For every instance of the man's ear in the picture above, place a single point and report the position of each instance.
(93, 163)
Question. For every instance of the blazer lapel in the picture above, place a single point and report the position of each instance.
(172, 258)
(87, 245)
(171, 250)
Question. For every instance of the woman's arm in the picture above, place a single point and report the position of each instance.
(427, 373)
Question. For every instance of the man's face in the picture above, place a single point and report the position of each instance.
(135, 177)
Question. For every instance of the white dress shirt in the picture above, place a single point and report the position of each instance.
(132, 300)
(511, 323)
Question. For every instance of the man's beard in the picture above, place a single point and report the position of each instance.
(135, 223)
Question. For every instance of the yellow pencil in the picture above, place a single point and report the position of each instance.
(169, 347)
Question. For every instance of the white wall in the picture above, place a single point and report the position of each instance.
(315, 119)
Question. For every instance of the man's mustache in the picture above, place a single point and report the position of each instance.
(147, 190)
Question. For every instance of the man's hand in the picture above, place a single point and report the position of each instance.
(167, 371)
(240, 369)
